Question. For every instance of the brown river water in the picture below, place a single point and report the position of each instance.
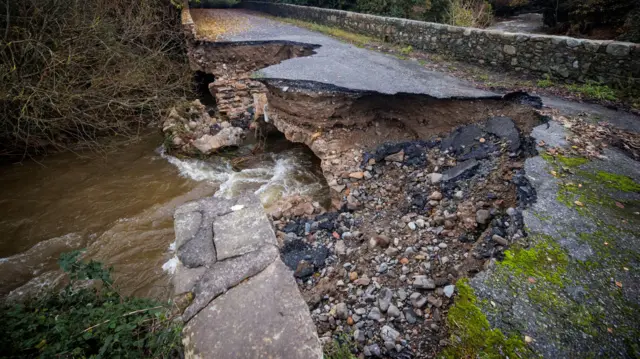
(119, 206)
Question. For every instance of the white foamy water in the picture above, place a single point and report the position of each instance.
(275, 176)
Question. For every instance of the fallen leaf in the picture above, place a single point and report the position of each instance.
(482, 140)
(554, 173)
(619, 284)
(625, 268)
(610, 330)
(620, 205)
(532, 280)
(541, 143)
(579, 204)
(606, 243)
(336, 235)
(527, 339)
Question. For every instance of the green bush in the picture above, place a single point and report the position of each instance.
(87, 322)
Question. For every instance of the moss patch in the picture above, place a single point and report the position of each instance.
(546, 260)
(571, 161)
(471, 333)
(619, 182)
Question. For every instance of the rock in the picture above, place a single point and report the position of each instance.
(412, 226)
(358, 335)
(410, 315)
(458, 194)
(422, 282)
(506, 129)
(461, 171)
(501, 241)
(381, 241)
(483, 216)
(384, 299)
(372, 350)
(278, 321)
(353, 276)
(374, 314)
(393, 311)
(436, 302)
(435, 196)
(509, 49)
(435, 177)
(448, 290)
(304, 269)
(382, 268)
(230, 136)
(356, 175)
(341, 311)
(389, 334)
(417, 300)
(396, 157)
(619, 49)
(364, 281)
(340, 248)
(302, 209)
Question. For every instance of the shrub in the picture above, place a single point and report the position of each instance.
(470, 13)
(87, 322)
(77, 70)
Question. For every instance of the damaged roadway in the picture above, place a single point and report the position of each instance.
(539, 210)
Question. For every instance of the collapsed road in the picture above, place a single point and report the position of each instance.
(463, 223)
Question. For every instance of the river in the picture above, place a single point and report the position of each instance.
(118, 206)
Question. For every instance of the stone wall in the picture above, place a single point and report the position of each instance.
(562, 57)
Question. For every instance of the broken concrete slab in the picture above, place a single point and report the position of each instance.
(264, 317)
(506, 129)
(185, 226)
(228, 273)
(242, 231)
(199, 250)
(185, 279)
(460, 171)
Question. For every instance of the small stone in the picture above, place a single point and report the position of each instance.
(482, 216)
(448, 290)
(396, 157)
(458, 194)
(358, 335)
(528, 339)
(442, 245)
(501, 241)
(341, 248)
(393, 311)
(417, 300)
(364, 281)
(389, 334)
(436, 302)
(410, 315)
(435, 195)
(341, 311)
(372, 350)
(384, 299)
(382, 268)
(422, 282)
(412, 226)
(435, 177)
(509, 49)
(404, 261)
(356, 175)
(353, 276)
(374, 314)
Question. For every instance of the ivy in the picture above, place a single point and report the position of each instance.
(87, 322)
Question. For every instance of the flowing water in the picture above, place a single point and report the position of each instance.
(119, 207)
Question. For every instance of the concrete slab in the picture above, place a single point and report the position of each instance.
(242, 231)
(264, 317)
(226, 274)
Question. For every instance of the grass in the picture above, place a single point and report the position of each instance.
(546, 82)
(594, 90)
(356, 39)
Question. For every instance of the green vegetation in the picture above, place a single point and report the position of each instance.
(341, 347)
(85, 322)
(471, 333)
(571, 161)
(545, 260)
(619, 182)
(74, 71)
(406, 50)
(546, 82)
(594, 90)
(356, 39)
